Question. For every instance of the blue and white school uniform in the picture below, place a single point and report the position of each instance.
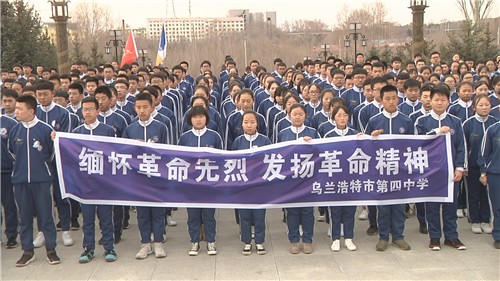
(32, 147)
(319, 118)
(126, 106)
(461, 109)
(408, 107)
(367, 112)
(489, 163)
(59, 119)
(249, 216)
(234, 129)
(477, 194)
(89, 211)
(495, 112)
(149, 219)
(353, 97)
(312, 110)
(391, 218)
(305, 215)
(342, 214)
(8, 200)
(113, 119)
(196, 216)
(354, 120)
(429, 125)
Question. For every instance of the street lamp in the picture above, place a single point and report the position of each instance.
(244, 16)
(143, 56)
(355, 36)
(114, 33)
(325, 51)
(60, 15)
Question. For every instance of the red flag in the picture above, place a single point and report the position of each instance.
(130, 52)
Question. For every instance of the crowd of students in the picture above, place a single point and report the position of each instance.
(231, 110)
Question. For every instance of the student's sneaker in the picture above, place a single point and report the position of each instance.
(476, 228)
(170, 221)
(247, 250)
(486, 228)
(423, 228)
(460, 213)
(496, 244)
(126, 224)
(39, 240)
(363, 215)
(211, 250)
(67, 240)
(402, 244)
(294, 248)
(372, 231)
(455, 243)
(58, 226)
(11, 243)
(52, 257)
(158, 249)
(434, 244)
(335, 245)
(75, 225)
(260, 249)
(195, 249)
(382, 245)
(144, 251)
(26, 258)
(308, 248)
(350, 245)
(86, 256)
(110, 256)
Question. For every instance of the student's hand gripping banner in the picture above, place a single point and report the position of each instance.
(354, 170)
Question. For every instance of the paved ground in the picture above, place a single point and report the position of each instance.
(479, 262)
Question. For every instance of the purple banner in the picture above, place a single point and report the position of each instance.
(325, 172)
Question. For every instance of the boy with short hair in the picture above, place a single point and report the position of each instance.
(440, 122)
(9, 97)
(462, 108)
(31, 146)
(412, 92)
(150, 219)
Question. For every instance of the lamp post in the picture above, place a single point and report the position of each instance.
(325, 51)
(418, 9)
(244, 16)
(355, 26)
(114, 34)
(143, 55)
(60, 15)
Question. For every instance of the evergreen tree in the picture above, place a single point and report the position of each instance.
(78, 54)
(96, 58)
(23, 40)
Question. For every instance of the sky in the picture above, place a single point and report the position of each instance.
(286, 10)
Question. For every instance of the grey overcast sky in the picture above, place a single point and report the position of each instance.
(135, 12)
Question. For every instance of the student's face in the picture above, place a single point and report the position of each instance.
(108, 73)
(376, 90)
(245, 102)
(298, 116)
(434, 80)
(132, 86)
(377, 71)
(18, 88)
(314, 93)
(305, 93)
(289, 104)
(9, 103)
(199, 121)
(367, 91)
(359, 79)
(279, 100)
(44, 97)
(426, 74)
(298, 77)
(450, 82)
(483, 107)
(24, 114)
(412, 93)
(143, 109)
(439, 103)
(325, 101)
(122, 90)
(396, 65)
(235, 91)
(104, 102)
(199, 102)
(90, 87)
(341, 119)
(74, 96)
(349, 83)
(338, 80)
(390, 101)
(465, 92)
(497, 89)
(89, 112)
(156, 81)
(61, 101)
(482, 90)
(425, 99)
(272, 89)
(249, 124)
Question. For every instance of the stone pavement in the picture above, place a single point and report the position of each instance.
(479, 262)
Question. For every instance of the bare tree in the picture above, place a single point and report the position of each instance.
(475, 10)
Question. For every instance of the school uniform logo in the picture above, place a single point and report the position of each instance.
(37, 145)
(4, 133)
(452, 132)
(402, 130)
(154, 139)
(55, 125)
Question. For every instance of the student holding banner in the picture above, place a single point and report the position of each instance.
(440, 122)
(341, 214)
(201, 136)
(391, 218)
(149, 219)
(303, 215)
(250, 139)
(92, 126)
